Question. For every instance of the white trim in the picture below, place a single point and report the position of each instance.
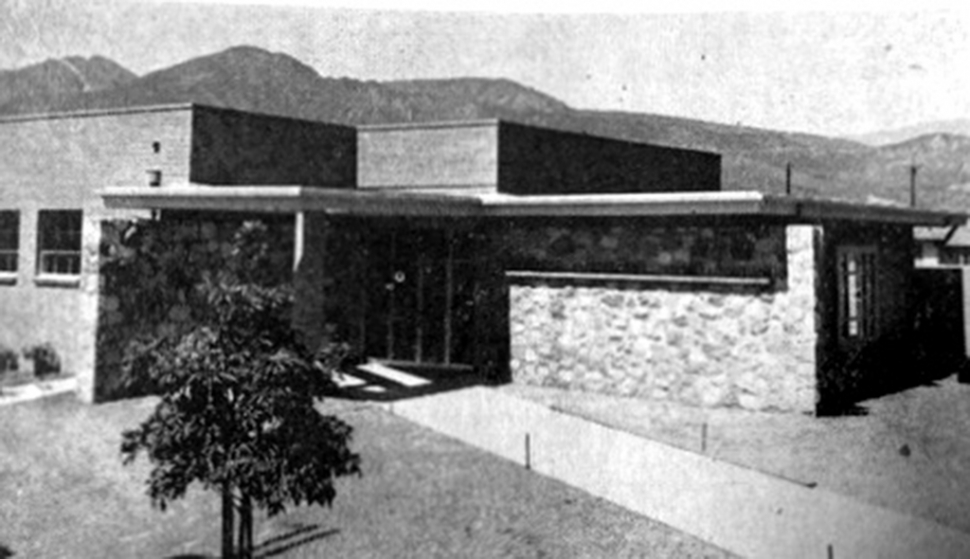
(644, 278)
(58, 280)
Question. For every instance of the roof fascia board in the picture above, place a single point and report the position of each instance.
(93, 113)
(289, 199)
(819, 210)
(647, 204)
(409, 203)
(476, 123)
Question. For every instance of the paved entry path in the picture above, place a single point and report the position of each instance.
(741, 510)
(33, 391)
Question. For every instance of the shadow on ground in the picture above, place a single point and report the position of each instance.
(277, 545)
(857, 407)
(5, 552)
(271, 547)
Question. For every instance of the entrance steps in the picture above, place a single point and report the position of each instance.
(393, 375)
(383, 380)
(383, 374)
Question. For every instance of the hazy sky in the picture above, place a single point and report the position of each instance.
(827, 72)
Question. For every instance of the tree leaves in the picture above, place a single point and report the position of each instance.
(237, 395)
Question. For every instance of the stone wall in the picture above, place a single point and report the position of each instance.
(149, 273)
(709, 346)
(629, 246)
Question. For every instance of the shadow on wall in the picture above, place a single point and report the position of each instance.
(929, 349)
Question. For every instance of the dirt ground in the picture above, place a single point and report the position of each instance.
(65, 493)
(908, 451)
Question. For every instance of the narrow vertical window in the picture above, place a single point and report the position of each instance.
(857, 292)
(59, 242)
(9, 240)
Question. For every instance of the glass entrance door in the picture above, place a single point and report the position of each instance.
(419, 296)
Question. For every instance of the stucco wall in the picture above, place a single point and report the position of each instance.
(536, 160)
(234, 147)
(702, 345)
(60, 163)
(431, 155)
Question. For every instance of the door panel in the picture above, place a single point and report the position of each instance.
(418, 296)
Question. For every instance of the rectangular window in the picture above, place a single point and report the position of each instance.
(59, 242)
(9, 240)
(857, 293)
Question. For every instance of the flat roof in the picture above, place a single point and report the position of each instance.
(470, 123)
(87, 113)
(159, 108)
(483, 203)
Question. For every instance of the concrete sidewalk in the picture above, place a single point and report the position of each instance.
(741, 510)
(35, 390)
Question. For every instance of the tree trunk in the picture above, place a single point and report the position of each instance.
(245, 548)
(228, 511)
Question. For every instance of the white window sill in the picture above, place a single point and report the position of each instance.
(8, 278)
(58, 280)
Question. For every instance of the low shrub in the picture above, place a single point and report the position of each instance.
(46, 361)
(8, 360)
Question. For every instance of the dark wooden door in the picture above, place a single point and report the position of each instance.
(419, 296)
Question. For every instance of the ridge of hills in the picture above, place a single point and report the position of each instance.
(253, 79)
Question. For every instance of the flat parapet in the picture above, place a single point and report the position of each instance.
(525, 159)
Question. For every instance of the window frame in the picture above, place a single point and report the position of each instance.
(12, 217)
(68, 245)
(857, 277)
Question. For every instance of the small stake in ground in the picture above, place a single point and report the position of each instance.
(528, 453)
(831, 552)
(704, 437)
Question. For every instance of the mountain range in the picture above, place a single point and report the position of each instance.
(959, 127)
(249, 78)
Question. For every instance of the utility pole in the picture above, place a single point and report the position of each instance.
(912, 184)
(788, 179)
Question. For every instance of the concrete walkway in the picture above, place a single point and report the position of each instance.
(741, 510)
(35, 390)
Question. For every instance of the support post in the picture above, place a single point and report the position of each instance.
(299, 220)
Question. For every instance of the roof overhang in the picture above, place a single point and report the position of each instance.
(290, 199)
(472, 203)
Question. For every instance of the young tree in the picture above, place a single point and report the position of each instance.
(237, 403)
